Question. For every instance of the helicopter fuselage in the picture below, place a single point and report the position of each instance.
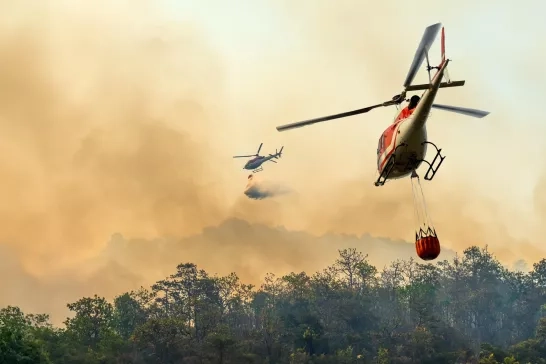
(255, 162)
(405, 140)
(409, 144)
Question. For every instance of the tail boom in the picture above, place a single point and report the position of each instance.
(277, 154)
(422, 111)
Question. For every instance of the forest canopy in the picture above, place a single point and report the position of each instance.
(470, 309)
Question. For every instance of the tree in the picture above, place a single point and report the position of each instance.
(128, 314)
(468, 309)
(93, 321)
(17, 342)
(350, 264)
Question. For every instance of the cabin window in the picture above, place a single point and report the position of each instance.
(380, 145)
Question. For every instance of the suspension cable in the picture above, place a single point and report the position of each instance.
(415, 202)
(429, 219)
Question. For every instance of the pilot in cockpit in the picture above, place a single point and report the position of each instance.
(408, 110)
(413, 102)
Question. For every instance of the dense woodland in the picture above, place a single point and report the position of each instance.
(468, 310)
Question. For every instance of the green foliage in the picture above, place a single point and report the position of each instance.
(383, 356)
(17, 342)
(469, 310)
(510, 360)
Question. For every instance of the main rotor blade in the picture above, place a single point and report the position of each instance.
(243, 156)
(426, 41)
(462, 110)
(331, 117)
(260, 147)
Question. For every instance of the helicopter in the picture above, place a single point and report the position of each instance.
(403, 145)
(255, 164)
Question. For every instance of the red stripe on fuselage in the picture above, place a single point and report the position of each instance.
(388, 154)
(404, 114)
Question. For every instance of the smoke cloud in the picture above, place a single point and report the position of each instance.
(98, 135)
(259, 189)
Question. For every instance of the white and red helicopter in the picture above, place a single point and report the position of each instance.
(403, 145)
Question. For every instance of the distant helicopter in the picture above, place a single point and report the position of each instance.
(403, 145)
(255, 164)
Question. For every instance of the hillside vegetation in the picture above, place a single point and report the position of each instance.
(469, 309)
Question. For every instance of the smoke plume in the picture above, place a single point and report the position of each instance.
(259, 189)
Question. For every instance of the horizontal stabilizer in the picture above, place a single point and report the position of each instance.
(462, 110)
(442, 85)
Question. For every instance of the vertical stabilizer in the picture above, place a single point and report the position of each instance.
(443, 45)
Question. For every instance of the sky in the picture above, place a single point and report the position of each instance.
(122, 117)
(254, 33)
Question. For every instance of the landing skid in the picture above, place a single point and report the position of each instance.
(431, 168)
(258, 170)
(385, 173)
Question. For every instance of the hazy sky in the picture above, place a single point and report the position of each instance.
(123, 117)
(493, 46)
(490, 48)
